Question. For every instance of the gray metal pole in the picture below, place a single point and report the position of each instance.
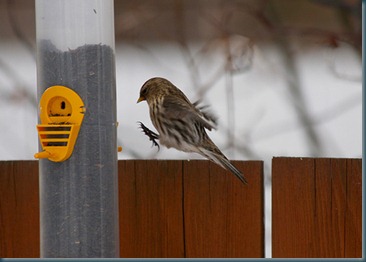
(79, 196)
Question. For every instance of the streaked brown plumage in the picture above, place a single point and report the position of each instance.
(180, 123)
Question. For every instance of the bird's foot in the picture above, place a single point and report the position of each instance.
(151, 134)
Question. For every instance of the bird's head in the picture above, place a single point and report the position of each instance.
(153, 89)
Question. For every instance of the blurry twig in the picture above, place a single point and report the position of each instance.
(17, 30)
(20, 89)
(326, 115)
(183, 44)
(344, 76)
(296, 98)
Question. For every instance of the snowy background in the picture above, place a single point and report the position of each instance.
(284, 78)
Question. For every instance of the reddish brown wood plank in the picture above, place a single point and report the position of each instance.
(338, 205)
(353, 234)
(330, 201)
(323, 209)
(320, 217)
(293, 204)
(223, 218)
(151, 216)
(19, 209)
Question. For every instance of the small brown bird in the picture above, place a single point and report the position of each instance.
(180, 123)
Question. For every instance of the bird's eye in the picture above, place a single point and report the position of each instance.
(143, 91)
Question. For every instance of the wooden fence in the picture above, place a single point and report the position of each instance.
(316, 207)
(175, 208)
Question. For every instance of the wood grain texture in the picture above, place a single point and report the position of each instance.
(196, 209)
(151, 215)
(167, 209)
(190, 209)
(223, 218)
(353, 234)
(19, 209)
(316, 208)
(292, 207)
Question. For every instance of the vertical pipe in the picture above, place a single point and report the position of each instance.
(79, 197)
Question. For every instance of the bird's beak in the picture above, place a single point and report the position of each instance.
(141, 98)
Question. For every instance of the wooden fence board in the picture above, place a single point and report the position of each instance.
(292, 207)
(151, 218)
(222, 217)
(353, 234)
(316, 207)
(19, 209)
(338, 205)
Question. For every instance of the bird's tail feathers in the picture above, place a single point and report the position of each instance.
(222, 161)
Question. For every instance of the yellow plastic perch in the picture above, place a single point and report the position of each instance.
(61, 114)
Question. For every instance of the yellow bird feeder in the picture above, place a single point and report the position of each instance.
(61, 114)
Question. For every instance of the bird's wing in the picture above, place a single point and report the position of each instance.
(182, 109)
(206, 113)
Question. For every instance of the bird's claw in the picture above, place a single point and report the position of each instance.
(152, 135)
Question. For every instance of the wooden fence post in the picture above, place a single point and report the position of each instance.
(316, 208)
